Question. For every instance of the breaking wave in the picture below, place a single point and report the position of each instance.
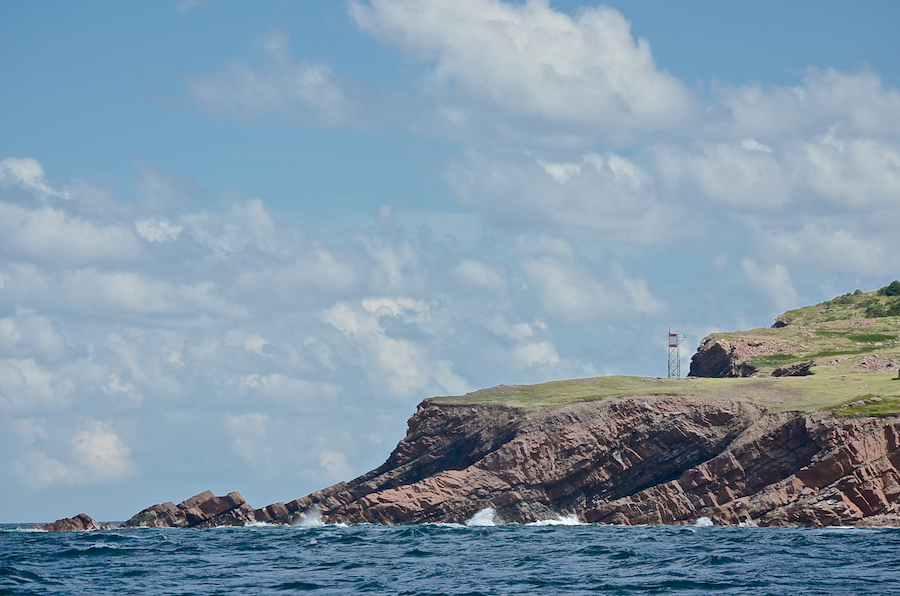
(485, 517)
(562, 520)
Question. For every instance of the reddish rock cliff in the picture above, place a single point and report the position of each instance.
(647, 460)
(632, 460)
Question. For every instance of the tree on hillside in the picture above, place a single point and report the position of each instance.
(892, 289)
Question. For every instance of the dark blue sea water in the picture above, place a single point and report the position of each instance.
(420, 560)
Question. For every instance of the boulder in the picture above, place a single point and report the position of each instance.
(79, 523)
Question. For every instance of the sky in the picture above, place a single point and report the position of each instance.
(240, 242)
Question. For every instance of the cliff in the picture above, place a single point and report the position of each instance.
(794, 424)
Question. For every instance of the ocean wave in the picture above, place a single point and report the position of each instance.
(485, 517)
(562, 520)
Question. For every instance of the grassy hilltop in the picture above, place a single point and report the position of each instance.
(835, 335)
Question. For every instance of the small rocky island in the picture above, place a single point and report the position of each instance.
(794, 424)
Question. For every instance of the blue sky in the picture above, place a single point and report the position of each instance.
(239, 244)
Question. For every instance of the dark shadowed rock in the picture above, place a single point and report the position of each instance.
(801, 369)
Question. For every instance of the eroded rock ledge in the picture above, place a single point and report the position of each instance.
(638, 460)
(633, 460)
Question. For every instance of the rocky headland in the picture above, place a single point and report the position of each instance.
(796, 424)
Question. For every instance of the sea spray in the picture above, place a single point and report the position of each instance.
(485, 517)
(311, 518)
(562, 520)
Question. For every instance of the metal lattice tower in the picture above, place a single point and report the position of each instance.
(675, 340)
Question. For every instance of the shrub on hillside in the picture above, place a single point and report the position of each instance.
(892, 289)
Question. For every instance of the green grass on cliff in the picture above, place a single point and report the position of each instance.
(835, 334)
(821, 391)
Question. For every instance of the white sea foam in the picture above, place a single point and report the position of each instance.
(704, 522)
(312, 519)
(562, 520)
(485, 517)
(444, 524)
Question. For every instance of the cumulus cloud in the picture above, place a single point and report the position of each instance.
(530, 59)
(860, 101)
(26, 386)
(94, 454)
(569, 291)
(53, 234)
(404, 366)
(607, 197)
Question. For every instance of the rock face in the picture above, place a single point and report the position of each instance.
(206, 510)
(801, 369)
(646, 460)
(730, 357)
(630, 460)
(79, 523)
(203, 510)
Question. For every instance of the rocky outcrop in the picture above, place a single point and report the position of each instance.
(206, 510)
(876, 363)
(630, 460)
(801, 369)
(642, 460)
(203, 510)
(79, 523)
(731, 357)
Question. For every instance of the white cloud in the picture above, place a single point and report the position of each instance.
(729, 173)
(115, 387)
(532, 60)
(25, 386)
(859, 100)
(607, 197)
(561, 172)
(156, 229)
(279, 86)
(26, 172)
(404, 367)
(54, 235)
(536, 353)
(570, 292)
(861, 172)
(302, 394)
(335, 463)
(29, 334)
(93, 455)
(753, 145)
(821, 245)
(249, 435)
(774, 283)
(476, 274)
(90, 290)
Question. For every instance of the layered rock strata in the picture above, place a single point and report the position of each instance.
(641, 460)
(633, 460)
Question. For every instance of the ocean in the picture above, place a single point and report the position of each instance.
(562, 558)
